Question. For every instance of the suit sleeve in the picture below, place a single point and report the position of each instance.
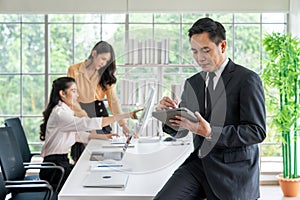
(168, 129)
(249, 126)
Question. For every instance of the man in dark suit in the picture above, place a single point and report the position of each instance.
(229, 104)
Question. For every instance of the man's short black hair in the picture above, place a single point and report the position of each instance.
(216, 30)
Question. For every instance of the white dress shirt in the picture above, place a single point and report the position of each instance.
(218, 73)
(64, 129)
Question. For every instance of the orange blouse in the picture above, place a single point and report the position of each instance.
(89, 90)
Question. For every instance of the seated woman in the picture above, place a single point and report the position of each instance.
(61, 128)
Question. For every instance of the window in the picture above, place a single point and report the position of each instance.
(36, 49)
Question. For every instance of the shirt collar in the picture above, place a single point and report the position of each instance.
(82, 67)
(63, 105)
(219, 71)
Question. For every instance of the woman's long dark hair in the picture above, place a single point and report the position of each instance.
(59, 84)
(107, 73)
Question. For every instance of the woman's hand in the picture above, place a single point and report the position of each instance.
(118, 117)
(133, 113)
(78, 111)
(127, 132)
(125, 129)
(110, 135)
(94, 135)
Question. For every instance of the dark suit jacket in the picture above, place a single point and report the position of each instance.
(231, 157)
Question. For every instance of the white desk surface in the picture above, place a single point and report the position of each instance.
(152, 164)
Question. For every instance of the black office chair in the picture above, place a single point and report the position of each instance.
(2, 189)
(18, 131)
(12, 163)
(22, 142)
(23, 190)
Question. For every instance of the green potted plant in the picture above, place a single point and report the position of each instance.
(282, 88)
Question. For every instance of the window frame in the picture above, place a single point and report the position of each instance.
(160, 69)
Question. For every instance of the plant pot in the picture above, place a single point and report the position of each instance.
(289, 186)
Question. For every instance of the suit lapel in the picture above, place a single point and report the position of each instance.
(227, 73)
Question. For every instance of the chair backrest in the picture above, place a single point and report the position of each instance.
(11, 160)
(2, 188)
(18, 131)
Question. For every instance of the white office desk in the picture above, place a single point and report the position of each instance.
(152, 164)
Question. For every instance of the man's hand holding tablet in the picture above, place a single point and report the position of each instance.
(166, 115)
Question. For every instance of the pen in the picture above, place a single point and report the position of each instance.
(117, 142)
(109, 165)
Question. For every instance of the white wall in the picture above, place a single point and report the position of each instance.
(294, 28)
(105, 6)
(62, 6)
(294, 18)
(209, 5)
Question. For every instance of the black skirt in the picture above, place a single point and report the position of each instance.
(94, 109)
(97, 109)
(53, 175)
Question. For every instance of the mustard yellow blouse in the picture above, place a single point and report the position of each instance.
(89, 90)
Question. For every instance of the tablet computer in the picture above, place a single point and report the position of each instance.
(165, 115)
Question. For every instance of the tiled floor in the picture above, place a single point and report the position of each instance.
(273, 192)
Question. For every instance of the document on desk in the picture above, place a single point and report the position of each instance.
(104, 154)
(116, 145)
(106, 179)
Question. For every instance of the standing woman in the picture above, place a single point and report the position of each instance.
(95, 79)
(61, 128)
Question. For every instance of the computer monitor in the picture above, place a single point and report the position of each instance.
(147, 112)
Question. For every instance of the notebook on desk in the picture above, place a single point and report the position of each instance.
(106, 179)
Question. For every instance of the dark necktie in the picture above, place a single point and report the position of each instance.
(209, 91)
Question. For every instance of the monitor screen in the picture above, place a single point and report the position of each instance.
(147, 112)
